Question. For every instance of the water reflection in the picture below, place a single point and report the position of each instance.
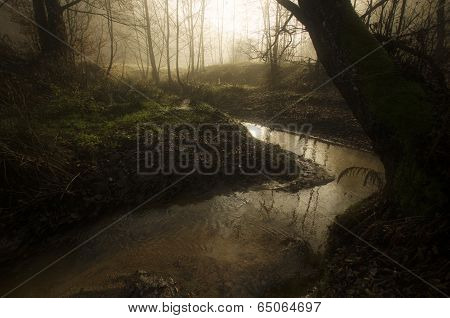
(242, 244)
(319, 205)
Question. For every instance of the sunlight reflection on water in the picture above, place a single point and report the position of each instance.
(237, 245)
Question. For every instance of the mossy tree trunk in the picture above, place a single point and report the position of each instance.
(391, 109)
(49, 17)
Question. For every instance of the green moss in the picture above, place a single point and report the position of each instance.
(397, 111)
(395, 101)
(88, 141)
(88, 122)
(396, 104)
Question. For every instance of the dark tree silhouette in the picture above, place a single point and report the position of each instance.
(391, 109)
(48, 15)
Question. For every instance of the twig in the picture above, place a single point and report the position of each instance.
(68, 185)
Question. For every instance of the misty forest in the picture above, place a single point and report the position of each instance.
(351, 93)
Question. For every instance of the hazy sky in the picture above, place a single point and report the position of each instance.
(243, 14)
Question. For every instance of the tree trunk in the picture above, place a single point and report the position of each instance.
(401, 19)
(111, 35)
(169, 74)
(233, 39)
(40, 17)
(177, 58)
(52, 33)
(440, 51)
(220, 30)
(201, 43)
(390, 108)
(151, 53)
(274, 63)
(191, 37)
(139, 60)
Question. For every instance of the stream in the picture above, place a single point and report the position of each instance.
(261, 242)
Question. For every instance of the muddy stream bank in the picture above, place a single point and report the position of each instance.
(261, 242)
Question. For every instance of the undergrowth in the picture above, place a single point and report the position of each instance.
(62, 136)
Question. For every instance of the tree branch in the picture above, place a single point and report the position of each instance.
(295, 9)
(103, 15)
(70, 4)
(370, 10)
(4, 2)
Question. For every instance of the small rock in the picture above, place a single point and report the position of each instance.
(144, 284)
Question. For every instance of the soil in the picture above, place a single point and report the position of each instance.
(325, 110)
(407, 257)
(113, 184)
(351, 267)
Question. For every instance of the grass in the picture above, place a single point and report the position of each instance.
(68, 152)
(77, 121)
(291, 76)
(57, 138)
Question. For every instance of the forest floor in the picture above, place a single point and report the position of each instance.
(325, 111)
(370, 252)
(69, 153)
(293, 100)
(372, 255)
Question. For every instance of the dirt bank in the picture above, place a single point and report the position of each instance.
(324, 109)
(369, 255)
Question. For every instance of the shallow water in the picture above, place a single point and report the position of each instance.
(241, 244)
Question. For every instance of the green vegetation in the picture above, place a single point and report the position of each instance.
(83, 121)
(293, 76)
(69, 149)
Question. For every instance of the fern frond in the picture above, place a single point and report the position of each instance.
(370, 176)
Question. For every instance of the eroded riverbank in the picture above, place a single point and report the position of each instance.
(264, 241)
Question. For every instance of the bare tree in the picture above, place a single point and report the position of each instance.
(110, 24)
(440, 50)
(177, 57)
(151, 53)
(220, 22)
(201, 43)
(169, 75)
(52, 30)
